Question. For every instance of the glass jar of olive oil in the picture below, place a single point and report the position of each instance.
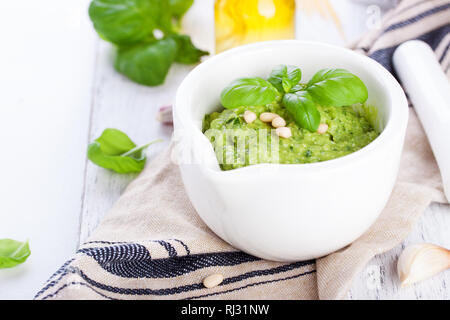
(239, 22)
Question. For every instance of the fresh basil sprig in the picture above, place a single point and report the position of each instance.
(129, 22)
(186, 52)
(336, 87)
(132, 25)
(285, 77)
(248, 92)
(13, 253)
(328, 87)
(179, 8)
(114, 150)
(147, 63)
(302, 108)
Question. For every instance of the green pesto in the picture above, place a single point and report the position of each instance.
(348, 131)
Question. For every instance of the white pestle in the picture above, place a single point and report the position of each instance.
(428, 89)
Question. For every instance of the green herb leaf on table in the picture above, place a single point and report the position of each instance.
(187, 53)
(284, 77)
(337, 87)
(179, 7)
(302, 108)
(13, 253)
(131, 21)
(249, 92)
(114, 150)
(131, 25)
(148, 63)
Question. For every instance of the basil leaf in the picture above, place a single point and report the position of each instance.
(337, 87)
(297, 87)
(13, 253)
(131, 21)
(187, 53)
(116, 163)
(302, 108)
(114, 150)
(148, 63)
(179, 7)
(114, 142)
(248, 92)
(284, 77)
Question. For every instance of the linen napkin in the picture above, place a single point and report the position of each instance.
(153, 245)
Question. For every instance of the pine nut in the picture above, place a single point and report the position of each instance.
(283, 132)
(267, 116)
(249, 116)
(323, 127)
(278, 122)
(213, 280)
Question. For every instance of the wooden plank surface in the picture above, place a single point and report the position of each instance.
(46, 63)
(132, 108)
(52, 108)
(122, 104)
(379, 279)
(119, 103)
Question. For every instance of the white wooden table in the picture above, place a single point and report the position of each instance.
(59, 91)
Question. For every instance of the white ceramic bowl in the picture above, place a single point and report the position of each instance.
(289, 212)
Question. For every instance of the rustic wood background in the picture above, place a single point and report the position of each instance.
(65, 96)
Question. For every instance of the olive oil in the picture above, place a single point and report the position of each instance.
(239, 22)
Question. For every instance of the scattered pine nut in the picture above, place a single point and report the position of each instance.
(213, 280)
(249, 116)
(267, 116)
(284, 132)
(323, 127)
(278, 122)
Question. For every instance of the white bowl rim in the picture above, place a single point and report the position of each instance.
(396, 123)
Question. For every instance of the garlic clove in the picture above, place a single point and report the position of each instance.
(419, 262)
(165, 115)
